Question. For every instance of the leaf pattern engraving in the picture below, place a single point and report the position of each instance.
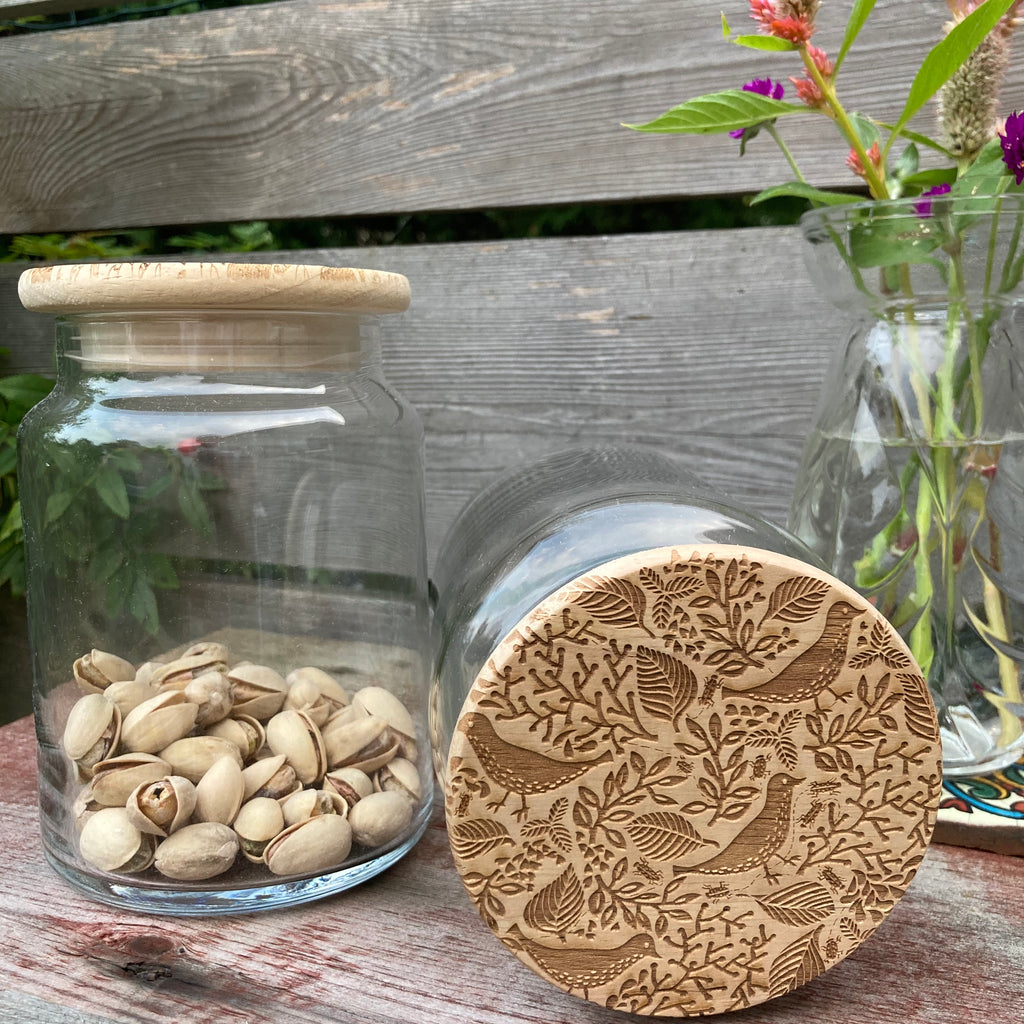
(665, 685)
(477, 836)
(557, 906)
(664, 835)
(919, 708)
(799, 963)
(798, 599)
(612, 601)
(803, 903)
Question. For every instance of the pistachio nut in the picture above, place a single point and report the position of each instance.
(158, 722)
(243, 730)
(177, 674)
(257, 822)
(213, 649)
(91, 732)
(114, 778)
(351, 784)
(128, 694)
(84, 806)
(110, 842)
(293, 734)
(379, 818)
(219, 792)
(146, 672)
(381, 703)
(330, 690)
(399, 776)
(95, 671)
(316, 844)
(364, 743)
(308, 803)
(193, 756)
(162, 807)
(197, 852)
(304, 696)
(270, 776)
(257, 690)
(211, 693)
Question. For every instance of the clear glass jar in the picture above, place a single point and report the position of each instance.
(223, 510)
(660, 726)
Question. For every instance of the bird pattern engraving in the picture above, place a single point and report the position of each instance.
(720, 789)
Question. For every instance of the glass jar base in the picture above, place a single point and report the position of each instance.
(992, 761)
(213, 902)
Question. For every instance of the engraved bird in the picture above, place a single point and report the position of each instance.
(813, 671)
(760, 839)
(581, 968)
(517, 769)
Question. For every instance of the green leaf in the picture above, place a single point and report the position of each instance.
(158, 486)
(866, 129)
(157, 570)
(726, 31)
(105, 564)
(949, 54)
(907, 163)
(986, 175)
(12, 522)
(859, 15)
(110, 487)
(931, 178)
(56, 505)
(25, 389)
(805, 191)
(756, 42)
(719, 112)
(921, 140)
(881, 243)
(142, 605)
(8, 459)
(126, 461)
(190, 501)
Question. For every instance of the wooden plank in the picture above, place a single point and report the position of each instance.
(408, 947)
(311, 108)
(680, 339)
(13, 9)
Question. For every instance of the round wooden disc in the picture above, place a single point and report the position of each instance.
(688, 783)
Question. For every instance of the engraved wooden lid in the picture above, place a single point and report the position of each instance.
(691, 781)
(76, 288)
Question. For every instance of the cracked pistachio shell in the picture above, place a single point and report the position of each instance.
(379, 818)
(128, 694)
(257, 690)
(211, 693)
(163, 806)
(308, 803)
(270, 776)
(399, 776)
(91, 732)
(114, 779)
(243, 730)
(84, 806)
(351, 784)
(351, 741)
(193, 756)
(96, 670)
(177, 674)
(294, 734)
(110, 842)
(304, 696)
(157, 722)
(315, 845)
(197, 852)
(256, 823)
(219, 792)
(147, 671)
(329, 689)
(211, 649)
(384, 704)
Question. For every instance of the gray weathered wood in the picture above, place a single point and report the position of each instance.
(712, 343)
(408, 948)
(306, 109)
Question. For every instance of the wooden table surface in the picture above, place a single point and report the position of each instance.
(408, 947)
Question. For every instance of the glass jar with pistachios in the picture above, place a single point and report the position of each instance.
(223, 510)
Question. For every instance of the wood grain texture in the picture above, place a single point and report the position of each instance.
(680, 339)
(306, 108)
(11, 9)
(408, 948)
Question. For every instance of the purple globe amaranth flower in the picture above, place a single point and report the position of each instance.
(763, 87)
(1012, 140)
(924, 207)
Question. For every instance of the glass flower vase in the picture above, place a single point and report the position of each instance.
(911, 486)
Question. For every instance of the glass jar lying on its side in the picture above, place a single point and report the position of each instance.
(223, 509)
(667, 738)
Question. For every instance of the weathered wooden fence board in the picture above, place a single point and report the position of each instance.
(676, 338)
(308, 108)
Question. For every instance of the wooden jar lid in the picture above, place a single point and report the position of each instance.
(143, 286)
(691, 782)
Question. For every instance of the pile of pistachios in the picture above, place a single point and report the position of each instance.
(187, 765)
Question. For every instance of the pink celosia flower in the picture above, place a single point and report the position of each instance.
(853, 161)
(763, 87)
(1011, 137)
(807, 88)
(797, 30)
